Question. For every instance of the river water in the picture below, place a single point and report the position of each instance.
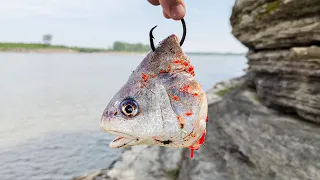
(51, 104)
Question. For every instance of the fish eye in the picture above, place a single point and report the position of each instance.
(129, 107)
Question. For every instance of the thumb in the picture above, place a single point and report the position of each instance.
(174, 8)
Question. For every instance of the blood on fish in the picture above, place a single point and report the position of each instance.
(207, 119)
(163, 71)
(203, 137)
(191, 68)
(144, 77)
(197, 145)
(176, 98)
(169, 68)
(192, 153)
(186, 63)
(181, 121)
(185, 89)
(189, 113)
(195, 94)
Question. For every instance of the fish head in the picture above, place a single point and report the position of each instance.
(160, 104)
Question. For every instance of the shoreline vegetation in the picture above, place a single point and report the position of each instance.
(117, 48)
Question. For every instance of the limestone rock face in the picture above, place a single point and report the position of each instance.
(283, 37)
(272, 24)
(288, 79)
(248, 141)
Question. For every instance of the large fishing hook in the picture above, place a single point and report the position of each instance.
(182, 39)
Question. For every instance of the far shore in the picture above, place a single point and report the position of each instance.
(120, 49)
(58, 51)
(71, 51)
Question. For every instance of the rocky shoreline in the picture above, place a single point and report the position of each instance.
(262, 126)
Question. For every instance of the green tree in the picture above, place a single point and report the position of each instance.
(47, 38)
(122, 46)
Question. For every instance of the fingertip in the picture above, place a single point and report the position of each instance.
(165, 15)
(154, 2)
(177, 11)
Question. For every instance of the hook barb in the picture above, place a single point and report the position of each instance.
(151, 39)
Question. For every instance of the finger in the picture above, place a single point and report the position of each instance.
(165, 15)
(174, 8)
(154, 2)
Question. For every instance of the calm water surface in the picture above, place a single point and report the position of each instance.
(51, 104)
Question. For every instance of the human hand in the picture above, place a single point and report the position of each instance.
(174, 9)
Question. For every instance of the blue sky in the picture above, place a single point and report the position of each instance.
(98, 23)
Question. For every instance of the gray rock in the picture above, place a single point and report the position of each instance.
(273, 24)
(288, 79)
(142, 162)
(248, 141)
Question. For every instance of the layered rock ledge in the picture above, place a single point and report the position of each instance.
(288, 79)
(274, 24)
(283, 37)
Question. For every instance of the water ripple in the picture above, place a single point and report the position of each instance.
(57, 156)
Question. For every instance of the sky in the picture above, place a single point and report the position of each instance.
(98, 23)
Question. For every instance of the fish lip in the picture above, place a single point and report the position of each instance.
(120, 142)
(126, 139)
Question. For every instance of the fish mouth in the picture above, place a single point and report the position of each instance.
(122, 140)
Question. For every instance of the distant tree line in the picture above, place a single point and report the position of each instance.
(118, 46)
(128, 47)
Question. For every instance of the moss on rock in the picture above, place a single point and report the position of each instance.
(273, 6)
(173, 174)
